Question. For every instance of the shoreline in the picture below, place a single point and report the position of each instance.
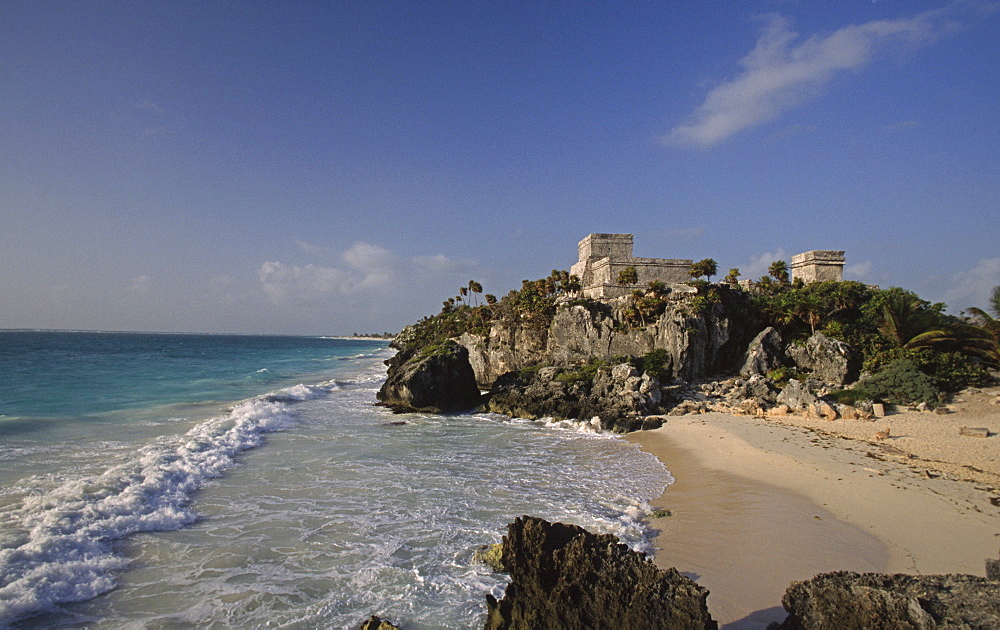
(760, 503)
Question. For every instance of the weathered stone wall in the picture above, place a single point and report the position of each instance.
(819, 266)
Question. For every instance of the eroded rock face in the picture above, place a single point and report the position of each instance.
(621, 397)
(439, 381)
(563, 576)
(830, 360)
(843, 599)
(764, 354)
(695, 344)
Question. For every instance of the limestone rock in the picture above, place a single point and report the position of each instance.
(764, 354)
(620, 396)
(491, 556)
(695, 344)
(798, 397)
(437, 380)
(563, 576)
(872, 600)
(830, 360)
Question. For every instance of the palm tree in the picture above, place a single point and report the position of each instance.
(779, 271)
(626, 277)
(732, 277)
(989, 324)
(475, 288)
(706, 267)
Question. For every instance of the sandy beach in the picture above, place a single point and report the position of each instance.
(759, 503)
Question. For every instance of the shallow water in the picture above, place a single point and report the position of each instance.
(309, 508)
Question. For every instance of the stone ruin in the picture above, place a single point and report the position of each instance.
(818, 266)
(603, 256)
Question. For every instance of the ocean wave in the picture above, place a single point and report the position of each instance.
(63, 550)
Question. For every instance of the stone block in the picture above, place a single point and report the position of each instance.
(979, 432)
(878, 410)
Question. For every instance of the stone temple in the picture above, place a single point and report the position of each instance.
(818, 266)
(604, 256)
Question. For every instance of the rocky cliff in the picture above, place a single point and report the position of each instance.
(436, 379)
(697, 342)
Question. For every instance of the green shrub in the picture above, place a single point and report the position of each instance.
(950, 371)
(657, 363)
(847, 396)
(900, 383)
(781, 375)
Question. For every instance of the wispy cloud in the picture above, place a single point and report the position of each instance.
(784, 70)
(759, 264)
(366, 267)
(141, 284)
(363, 271)
(973, 286)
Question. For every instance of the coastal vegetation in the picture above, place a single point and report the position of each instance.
(909, 350)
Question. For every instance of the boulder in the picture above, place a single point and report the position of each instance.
(873, 600)
(563, 576)
(619, 396)
(763, 354)
(438, 379)
(375, 623)
(830, 360)
(798, 397)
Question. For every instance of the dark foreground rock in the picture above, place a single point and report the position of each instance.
(438, 379)
(375, 623)
(621, 397)
(563, 576)
(874, 601)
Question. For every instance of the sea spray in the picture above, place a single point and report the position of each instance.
(66, 553)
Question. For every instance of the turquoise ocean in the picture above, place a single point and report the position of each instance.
(221, 481)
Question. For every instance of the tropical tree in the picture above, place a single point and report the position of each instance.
(989, 324)
(706, 267)
(779, 271)
(627, 277)
(732, 277)
(475, 288)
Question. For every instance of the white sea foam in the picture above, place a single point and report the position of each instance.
(64, 550)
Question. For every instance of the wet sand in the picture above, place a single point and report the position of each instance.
(758, 504)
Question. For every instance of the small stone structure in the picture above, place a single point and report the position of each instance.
(818, 266)
(604, 256)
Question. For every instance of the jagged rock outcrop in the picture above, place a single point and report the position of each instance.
(764, 354)
(800, 398)
(696, 343)
(830, 360)
(563, 576)
(843, 600)
(376, 623)
(622, 398)
(438, 379)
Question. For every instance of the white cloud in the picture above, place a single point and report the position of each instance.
(759, 264)
(148, 105)
(141, 284)
(973, 287)
(782, 71)
(283, 282)
(439, 263)
(313, 250)
(367, 267)
(859, 271)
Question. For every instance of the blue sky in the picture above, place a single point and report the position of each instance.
(339, 167)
